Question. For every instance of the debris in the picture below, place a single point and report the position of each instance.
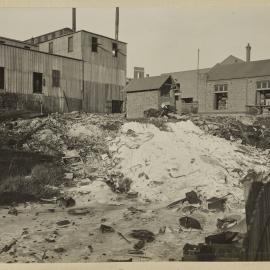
(190, 223)
(68, 176)
(221, 238)
(120, 260)
(192, 197)
(7, 247)
(13, 211)
(162, 230)
(121, 235)
(90, 248)
(137, 252)
(216, 203)
(106, 229)
(51, 238)
(63, 222)
(79, 211)
(134, 210)
(132, 194)
(66, 202)
(226, 223)
(59, 250)
(140, 244)
(188, 208)
(173, 204)
(143, 235)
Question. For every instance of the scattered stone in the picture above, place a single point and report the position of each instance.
(144, 235)
(190, 223)
(66, 202)
(217, 204)
(221, 238)
(139, 245)
(162, 230)
(68, 176)
(13, 211)
(7, 247)
(192, 198)
(63, 222)
(80, 211)
(90, 248)
(226, 223)
(132, 194)
(59, 250)
(106, 229)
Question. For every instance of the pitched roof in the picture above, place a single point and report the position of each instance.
(148, 83)
(231, 59)
(240, 70)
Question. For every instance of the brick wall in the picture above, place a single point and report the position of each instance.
(138, 102)
(241, 92)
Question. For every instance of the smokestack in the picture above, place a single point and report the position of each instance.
(248, 49)
(116, 23)
(74, 19)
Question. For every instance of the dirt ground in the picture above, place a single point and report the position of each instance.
(121, 174)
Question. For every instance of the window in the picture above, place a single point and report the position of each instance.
(187, 100)
(263, 85)
(56, 78)
(221, 88)
(94, 44)
(37, 82)
(2, 78)
(70, 44)
(115, 49)
(50, 47)
(165, 91)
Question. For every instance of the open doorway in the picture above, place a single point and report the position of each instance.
(221, 101)
(117, 106)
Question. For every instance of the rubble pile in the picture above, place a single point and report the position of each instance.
(255, 132)
(119, 190)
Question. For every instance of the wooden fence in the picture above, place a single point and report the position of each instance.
(258, 222)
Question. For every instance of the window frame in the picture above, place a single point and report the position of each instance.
(94, 44)
(115, 49)
(56, 78)
(70, 44)
(50, 47)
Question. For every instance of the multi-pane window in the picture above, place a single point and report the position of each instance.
(56, 78)
(94, 44)
(70, 44)
(115, 49)
(50, 47)
(263, 85)
(37, 82)
(2, 78)
(221, 88)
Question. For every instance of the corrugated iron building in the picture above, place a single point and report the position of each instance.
(65, 71)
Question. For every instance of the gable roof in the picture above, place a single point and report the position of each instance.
(240, 70)
(231, 59)
(148, 83)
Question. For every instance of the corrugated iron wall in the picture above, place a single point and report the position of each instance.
(19, 66)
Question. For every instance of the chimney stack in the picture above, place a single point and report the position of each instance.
(116, 23)
(74, 19)
(248, 49)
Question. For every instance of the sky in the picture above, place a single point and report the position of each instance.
(160, 39)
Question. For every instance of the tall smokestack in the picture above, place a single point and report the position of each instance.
(74, 19)
(248, 49)
(116, 23)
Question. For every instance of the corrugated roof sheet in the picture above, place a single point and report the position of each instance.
(240, 70)
(147, 83)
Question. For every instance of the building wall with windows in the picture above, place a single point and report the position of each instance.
(240, 93)
(104, 66)
(40, 78)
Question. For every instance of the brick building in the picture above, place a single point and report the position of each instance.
(149, 93)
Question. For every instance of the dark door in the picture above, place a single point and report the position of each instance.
(37, 82)
(117, 106)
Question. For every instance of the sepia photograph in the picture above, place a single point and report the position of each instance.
(135, 133)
